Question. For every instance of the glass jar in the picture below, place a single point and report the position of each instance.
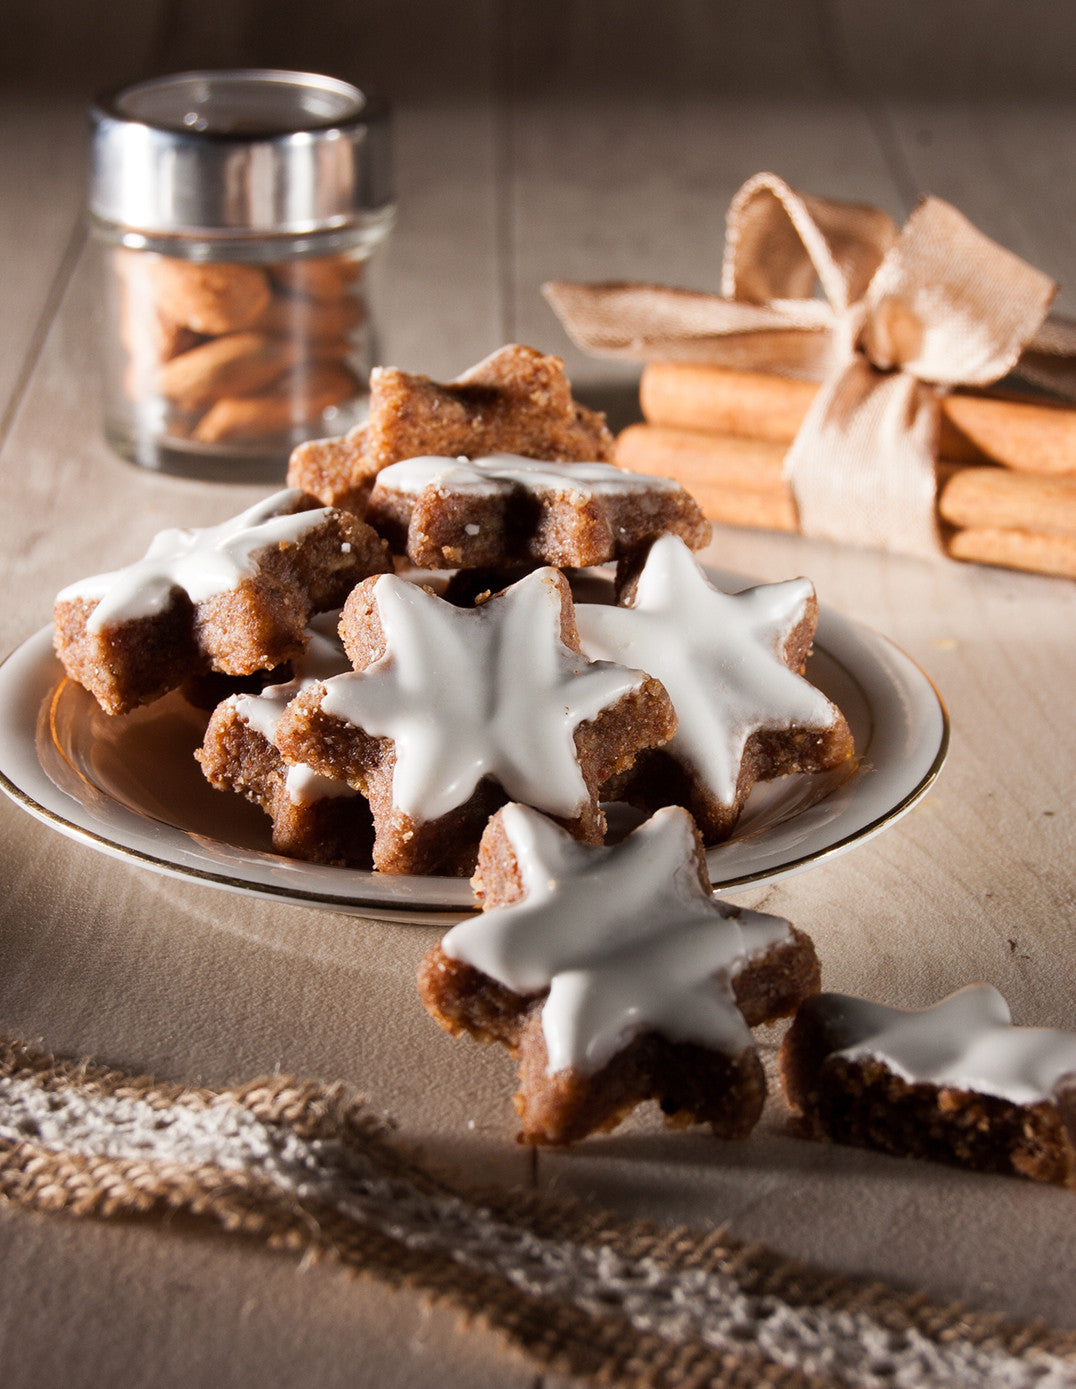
(234, 213)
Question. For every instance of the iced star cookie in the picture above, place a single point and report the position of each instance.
(314, 818)
(732, 664)
(507, 510)
(233, 598)
(955, 1083)
(451, 711)
(615, 976)
(517, 400)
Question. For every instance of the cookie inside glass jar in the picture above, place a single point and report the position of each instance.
(233, 263)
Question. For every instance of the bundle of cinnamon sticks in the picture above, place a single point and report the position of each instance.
(1006, 471)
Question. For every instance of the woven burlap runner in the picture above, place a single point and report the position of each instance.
(305, 1168)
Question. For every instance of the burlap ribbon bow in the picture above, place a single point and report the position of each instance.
(904, 315)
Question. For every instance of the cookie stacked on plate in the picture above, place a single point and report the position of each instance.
(452, 531)
(456, 637)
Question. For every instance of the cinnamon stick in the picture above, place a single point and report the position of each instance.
(1024, 434)
(1038, 554)
(978, 496)
(1017, 520)
(996, 499)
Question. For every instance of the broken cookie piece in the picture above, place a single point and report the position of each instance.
(314, 817)
(732, 664)
(451, 711)
(517, 400)
(956, 1083)
(507, 510)
(233, 598)
(615, 976)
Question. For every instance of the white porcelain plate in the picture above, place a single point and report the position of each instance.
(130, 786)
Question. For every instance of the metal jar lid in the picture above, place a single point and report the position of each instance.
(242, 151)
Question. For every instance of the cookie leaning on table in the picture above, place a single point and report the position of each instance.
(955, 1083)
(233, 598)
(615, 976)
(450, 712)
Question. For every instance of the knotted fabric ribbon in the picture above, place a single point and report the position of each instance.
(904, 315)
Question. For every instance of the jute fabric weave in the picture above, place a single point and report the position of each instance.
(304, 1168)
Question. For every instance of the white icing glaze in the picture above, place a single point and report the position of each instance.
(717, 654)
(305, 786)
(324, 657)
(467, 693)
(201, 562)
(501, 472)
(965, 1042)
(623, 936)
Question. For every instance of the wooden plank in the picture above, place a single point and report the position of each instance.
(967, 51)
(975, 104)
(627, 146)
(48, 72)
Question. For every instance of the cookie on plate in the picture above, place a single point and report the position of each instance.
(233, 598)
(450, 712)
(615, 976)
(314, 817)
(732, 664)
(517, 400)
(507, 510)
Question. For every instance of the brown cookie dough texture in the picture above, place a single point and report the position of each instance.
(234, 598)
(336, 471)
(508, 510)
(330, 828)
(560, 916)
(955, 1083)
(517, 400)
(450, 712)
(314, 818)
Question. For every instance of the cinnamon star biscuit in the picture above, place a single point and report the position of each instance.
(615, 976)
(233, 598)
(732, 664)
(955, 1083)
(314, 817)
(507, 510)
(516, 400)
(452, 711)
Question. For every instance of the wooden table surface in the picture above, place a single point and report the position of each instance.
(535, 141)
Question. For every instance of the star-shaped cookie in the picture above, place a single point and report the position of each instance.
(507, 510)
(956, 1082)
(452, 711)
(516, 400)
(233, 598)
(732, 664)
(616, 976)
